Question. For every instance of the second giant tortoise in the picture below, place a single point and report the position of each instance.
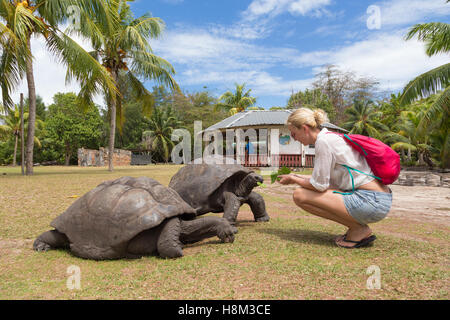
(220, 188)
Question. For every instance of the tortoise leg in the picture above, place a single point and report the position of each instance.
(231, 207)
(206, 227)
(258, 206)
(169, 244)
(52, 239)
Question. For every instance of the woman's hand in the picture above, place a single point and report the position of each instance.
(286, 179)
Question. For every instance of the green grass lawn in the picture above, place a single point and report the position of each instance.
(291, 257)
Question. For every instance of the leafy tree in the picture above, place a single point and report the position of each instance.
(391, 110)
(135, 124)
(237, 101)
(409, 137)
(436, 36)
(312, 99)
(363, 119)
(25, 19)
(191, 107)
(342, 88)
(11, 128)
(123, 48)
(158, 138)
(41, 110)
(68, 128)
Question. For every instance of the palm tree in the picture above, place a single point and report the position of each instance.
(391, 110)
(409, 137)
(363, 119)
(436, 36)
(237, 101)
(158, 138)
(41, 17)
(124, 50)
(12, 128)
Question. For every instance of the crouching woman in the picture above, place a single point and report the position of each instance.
(328, 192)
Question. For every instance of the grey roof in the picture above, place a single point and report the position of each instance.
(260, 118)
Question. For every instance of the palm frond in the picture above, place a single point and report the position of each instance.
(143, 95)
(426, 84)
(436, 36)
(81, 66)
(441, 106)
(152, 67)
(403, 146)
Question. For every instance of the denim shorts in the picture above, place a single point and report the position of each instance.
(367, 206)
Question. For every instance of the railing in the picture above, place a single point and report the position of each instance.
(279, 160)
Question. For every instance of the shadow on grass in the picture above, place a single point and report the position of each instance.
(302, 236)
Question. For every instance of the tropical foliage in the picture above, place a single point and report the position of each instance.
(364, 119)
(415, 122)
(67, 128)
(11, 130)
(26, 19)
(158, 138)
(121, 45)
(237, 101)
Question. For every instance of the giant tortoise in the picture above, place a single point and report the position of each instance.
(220, 188)
(129, 218)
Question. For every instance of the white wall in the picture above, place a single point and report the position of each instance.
(294, 147)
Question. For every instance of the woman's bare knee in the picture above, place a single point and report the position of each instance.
(299, 196)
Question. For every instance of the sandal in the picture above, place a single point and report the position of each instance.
(358, 244)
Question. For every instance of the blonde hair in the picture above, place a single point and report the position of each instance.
(312, 118)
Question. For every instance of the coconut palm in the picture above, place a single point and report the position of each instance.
(158, 138)
(124, 50)
(11, 128)
(436, 36)
(363, 119)
(41, 18)
(408, 136)
(237, 101)
(391, 110)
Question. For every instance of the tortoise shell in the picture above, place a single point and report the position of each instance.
(195, 183)
(100, 224)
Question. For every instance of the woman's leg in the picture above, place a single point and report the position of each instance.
(331, 206)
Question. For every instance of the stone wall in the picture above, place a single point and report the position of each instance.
(100, 158)
(420, 178)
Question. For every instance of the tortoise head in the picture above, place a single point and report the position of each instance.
(248, 183)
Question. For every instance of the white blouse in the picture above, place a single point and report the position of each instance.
(331, 151)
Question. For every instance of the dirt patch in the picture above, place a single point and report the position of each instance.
(15, 243)
(423, 204)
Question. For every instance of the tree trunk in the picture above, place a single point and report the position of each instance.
(22, 136)
(409, 155)
(31, 113)
(15, 150)
(112, 126)
(67, 156)
(420, 160)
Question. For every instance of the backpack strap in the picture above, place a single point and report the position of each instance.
(346, 136)
(353, 181)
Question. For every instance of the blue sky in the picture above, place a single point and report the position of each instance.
(276, 46)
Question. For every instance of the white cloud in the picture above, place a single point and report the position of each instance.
(275, 7)
(388, 58)
(406, 12)
(255, 22)
(205, 58)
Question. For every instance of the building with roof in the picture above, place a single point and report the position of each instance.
(267, 139)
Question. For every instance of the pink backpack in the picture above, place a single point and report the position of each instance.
(383, 160)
